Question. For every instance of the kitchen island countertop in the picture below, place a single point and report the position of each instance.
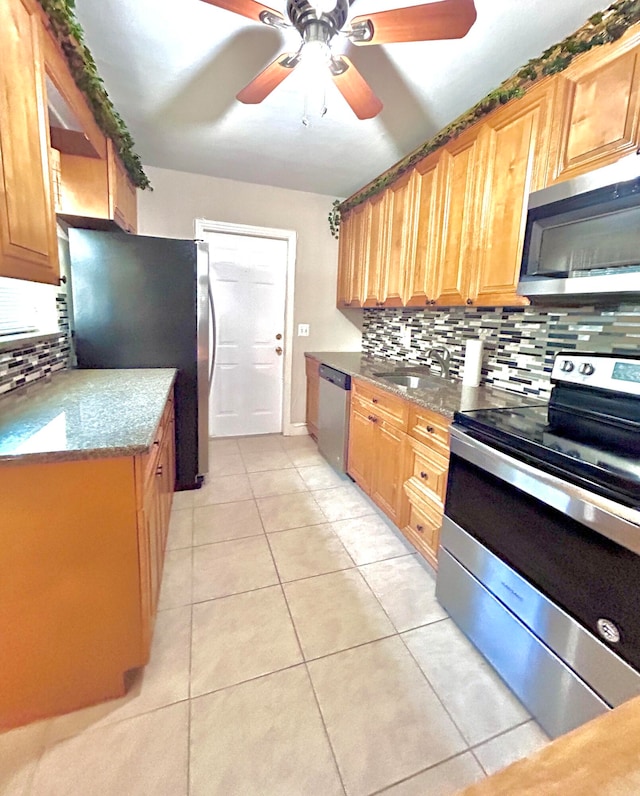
(446, 397)
(84, 414)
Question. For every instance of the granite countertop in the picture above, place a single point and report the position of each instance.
(84, 414)
(446, 397)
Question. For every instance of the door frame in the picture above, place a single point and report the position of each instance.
(204, 225)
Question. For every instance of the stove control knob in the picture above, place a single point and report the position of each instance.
(567, 366)
(586, 368)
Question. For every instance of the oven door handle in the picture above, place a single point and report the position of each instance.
(606, 517)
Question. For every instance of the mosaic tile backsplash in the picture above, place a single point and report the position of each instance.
(30, 361)
(519, 343)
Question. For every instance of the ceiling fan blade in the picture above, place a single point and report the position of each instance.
(448, 19)
(354, 88)
(263, 84)
(246, 8)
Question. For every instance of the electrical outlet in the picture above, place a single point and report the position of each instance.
(405, 335)
(303, 330)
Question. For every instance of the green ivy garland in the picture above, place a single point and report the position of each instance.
(602, 28)
(70, 36)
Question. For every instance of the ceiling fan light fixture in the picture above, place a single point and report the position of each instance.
(315, 54)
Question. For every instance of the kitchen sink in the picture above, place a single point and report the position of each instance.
(410, 380)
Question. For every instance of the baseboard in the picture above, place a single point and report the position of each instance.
(295, 429)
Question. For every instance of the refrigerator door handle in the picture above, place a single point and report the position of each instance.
(213, 340)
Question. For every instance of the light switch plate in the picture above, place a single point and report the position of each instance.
(303, 330)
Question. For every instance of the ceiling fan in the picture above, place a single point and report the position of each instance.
(319, 21)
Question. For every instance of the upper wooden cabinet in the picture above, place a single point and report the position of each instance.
(123, 203)
(345, 260)
(420, 286)
(599, 108)
(377, 250)
(28, 241)
(42, 108)
(461, 199)
(353, 256)
(451, 230)
(92, 188)
(514, 153)
(401, 244)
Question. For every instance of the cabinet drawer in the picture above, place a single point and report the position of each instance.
(150, 460)
(430, 428)
(381, 404)
(425, 521)
(423, 527)
(427, 470)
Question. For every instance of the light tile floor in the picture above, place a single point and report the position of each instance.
(299, 649)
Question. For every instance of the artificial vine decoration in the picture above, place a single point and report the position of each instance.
(602, 28)
(334, 219)
(69, 34)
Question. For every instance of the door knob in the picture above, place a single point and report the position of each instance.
(278, 336)
(279, 351)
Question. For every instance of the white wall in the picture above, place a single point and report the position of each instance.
(178, 198)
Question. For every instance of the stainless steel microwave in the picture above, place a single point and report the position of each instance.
(582, 236)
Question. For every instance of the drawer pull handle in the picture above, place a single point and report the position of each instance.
(431, 430)
(159, 470)
(375, 400)
(424, 475)
(420, 528)
(156, 442)
(373, 419)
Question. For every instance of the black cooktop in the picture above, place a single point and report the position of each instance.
(525, 433)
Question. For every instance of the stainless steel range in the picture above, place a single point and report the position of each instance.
(540, 550)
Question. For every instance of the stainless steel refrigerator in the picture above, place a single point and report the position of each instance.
(143, 302)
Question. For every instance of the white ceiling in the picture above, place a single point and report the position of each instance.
(173, 68)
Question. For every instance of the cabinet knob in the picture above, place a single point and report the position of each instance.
(469, 301)
(375, 400)
(430, 429)
(159, 470)
(433, 301)
(420, 528)
(424, 475)
(156, 442)
(373, 418)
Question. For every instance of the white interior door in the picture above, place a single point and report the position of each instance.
(248, 277)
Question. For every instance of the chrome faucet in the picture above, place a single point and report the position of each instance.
(442, 357)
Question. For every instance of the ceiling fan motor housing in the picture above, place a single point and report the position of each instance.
(312, 27)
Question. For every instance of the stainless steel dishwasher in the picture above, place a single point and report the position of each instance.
(333, 416)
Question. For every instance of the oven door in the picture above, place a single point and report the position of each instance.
(522, 546)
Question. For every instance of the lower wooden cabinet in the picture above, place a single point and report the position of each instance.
(399, 456)
(82, 551)
(376, 446)
(312, 367)
(156, 475)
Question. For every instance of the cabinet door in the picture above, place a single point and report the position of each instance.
(401, 241)
(122, 194)
(388, 469)
(513, 157)
(312, 367)
(427, 219)
(345, 260)
(600, 109)
(360, 227)
(28, 242)
(361, 452)
(461, 205)
(377, 251)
